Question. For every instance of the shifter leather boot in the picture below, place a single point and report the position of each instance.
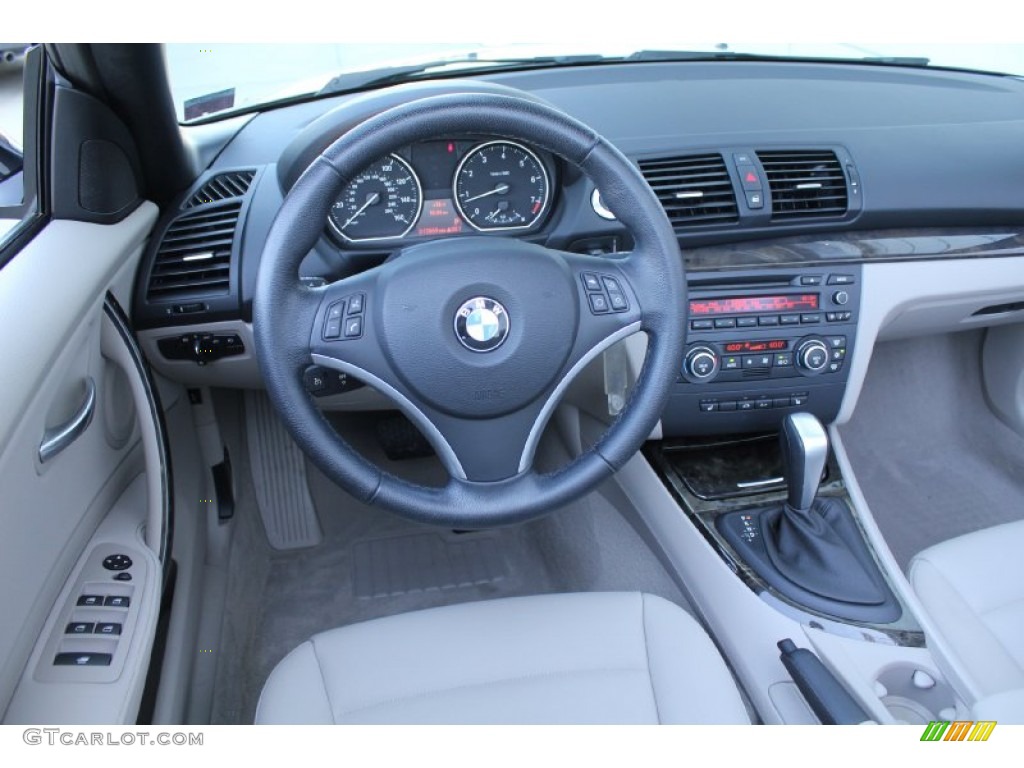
(821, 550)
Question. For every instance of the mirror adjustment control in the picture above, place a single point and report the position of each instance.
(117, 562)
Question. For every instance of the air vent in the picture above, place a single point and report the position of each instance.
(805, 184)
(226, 186)
(194, 257)
(694, 190)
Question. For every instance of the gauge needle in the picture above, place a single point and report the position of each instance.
(501, 189)
(373, 198)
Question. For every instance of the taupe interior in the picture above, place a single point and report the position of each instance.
(262, 592)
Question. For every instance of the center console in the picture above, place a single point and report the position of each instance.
(761, 344)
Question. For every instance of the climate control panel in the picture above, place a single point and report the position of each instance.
(761, 343)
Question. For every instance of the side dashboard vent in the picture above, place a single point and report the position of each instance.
(194, 256)
(225, 186)
(805, 183)
(693, 189)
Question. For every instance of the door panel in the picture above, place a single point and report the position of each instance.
(54, 515)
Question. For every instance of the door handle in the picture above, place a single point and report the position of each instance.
(58, 438)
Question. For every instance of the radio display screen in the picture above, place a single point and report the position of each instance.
(738, 305)
(773, 345)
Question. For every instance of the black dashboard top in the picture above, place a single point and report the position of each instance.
(756, 163)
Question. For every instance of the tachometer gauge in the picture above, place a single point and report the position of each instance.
(382, 202)
(501, 185)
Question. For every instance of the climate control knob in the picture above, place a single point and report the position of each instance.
(812, 356)
(701, 364)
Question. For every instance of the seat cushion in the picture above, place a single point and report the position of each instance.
(973, 589)
(573, 658)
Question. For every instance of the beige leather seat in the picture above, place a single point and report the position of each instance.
(574, 658)
(973, 589)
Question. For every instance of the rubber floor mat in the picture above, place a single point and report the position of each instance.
(420, 562)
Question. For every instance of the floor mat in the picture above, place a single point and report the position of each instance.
(932, 459)
(421, 562)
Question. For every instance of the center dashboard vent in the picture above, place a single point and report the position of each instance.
(693, 189)
(805, 183)
(225, 186)
(194, 256)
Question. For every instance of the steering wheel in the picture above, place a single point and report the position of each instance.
(474, 338)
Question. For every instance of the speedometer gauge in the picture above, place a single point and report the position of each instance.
(382, 202)
(501, 185)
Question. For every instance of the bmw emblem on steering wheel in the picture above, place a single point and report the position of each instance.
(481, 324)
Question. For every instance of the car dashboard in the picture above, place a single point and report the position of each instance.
(819, 208)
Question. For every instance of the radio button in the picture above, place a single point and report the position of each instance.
(810, 280)
(840, 279)
(790, 319)
(746, 322)
(725, 322)
(611, 284)
(811, 318)
(768, 320)
(840, 298)
(701, 325)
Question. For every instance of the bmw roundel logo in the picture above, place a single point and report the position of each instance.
(481, 324)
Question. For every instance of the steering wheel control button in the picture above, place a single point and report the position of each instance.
(90, 601)
(87, 659)
(108, 628)
(79, 628)
(117, 601)
(591, 282)
(355, 304)
(353, 327)
(482, 324)
(335, 311)
(598, 303)
(117, 563)
(617, 301)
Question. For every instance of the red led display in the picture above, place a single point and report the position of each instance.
(742, 304)
(439, 218)
(775, 345)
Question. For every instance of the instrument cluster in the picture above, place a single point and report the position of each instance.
(445, 187)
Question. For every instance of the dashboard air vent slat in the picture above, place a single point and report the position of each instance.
(805, 184)
(693, 190)
(194, 256)
(225, 186)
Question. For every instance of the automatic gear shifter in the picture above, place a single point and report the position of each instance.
(810, 549)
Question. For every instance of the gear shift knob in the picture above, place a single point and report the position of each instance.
(804, 451)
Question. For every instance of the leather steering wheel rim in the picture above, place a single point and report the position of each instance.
(289, 317)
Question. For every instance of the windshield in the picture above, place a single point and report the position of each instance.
(216, 80)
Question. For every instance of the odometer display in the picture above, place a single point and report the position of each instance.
(382, 202)
(501, 185)
(743, 304)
